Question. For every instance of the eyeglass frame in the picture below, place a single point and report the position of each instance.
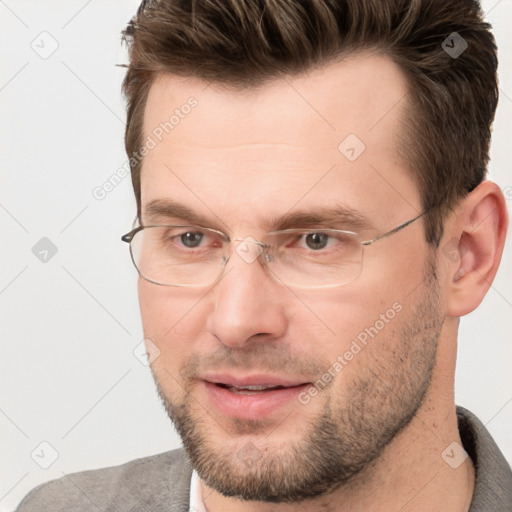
(128, 237)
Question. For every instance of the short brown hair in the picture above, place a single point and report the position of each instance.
(246, 43)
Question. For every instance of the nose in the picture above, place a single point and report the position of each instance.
(246, 301)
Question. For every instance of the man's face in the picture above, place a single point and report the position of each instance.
(241, 160)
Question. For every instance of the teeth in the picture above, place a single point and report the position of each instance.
(255, 388)
(250, 390)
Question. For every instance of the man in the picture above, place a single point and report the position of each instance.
(313, 220)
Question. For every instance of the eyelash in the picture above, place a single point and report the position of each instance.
(296, 239)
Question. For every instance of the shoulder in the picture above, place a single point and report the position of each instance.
(493, 476)
(158, 482)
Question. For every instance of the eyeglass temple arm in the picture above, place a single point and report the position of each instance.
(394, 230)
(129, 236)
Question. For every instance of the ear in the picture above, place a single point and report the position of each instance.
(472, 246)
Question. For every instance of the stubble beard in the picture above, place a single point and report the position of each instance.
(338, 444)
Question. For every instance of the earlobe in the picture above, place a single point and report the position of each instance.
(473, 245)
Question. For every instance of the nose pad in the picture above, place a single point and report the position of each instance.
(249, 249)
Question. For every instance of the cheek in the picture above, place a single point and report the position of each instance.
(370, 305)
(170, 320)
(392, 270)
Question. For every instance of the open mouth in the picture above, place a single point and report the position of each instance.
(251, 398)
(250, 390)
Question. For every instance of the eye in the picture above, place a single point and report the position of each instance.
(191, 239)
(316, 241)
(323, 242)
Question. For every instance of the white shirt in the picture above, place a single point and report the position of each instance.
(196, 500)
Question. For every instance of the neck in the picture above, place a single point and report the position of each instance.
(416, 471)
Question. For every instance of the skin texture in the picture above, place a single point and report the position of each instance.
(373, 438)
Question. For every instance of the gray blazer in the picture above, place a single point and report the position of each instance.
(161, 483)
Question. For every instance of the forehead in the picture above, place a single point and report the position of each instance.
(329, 133)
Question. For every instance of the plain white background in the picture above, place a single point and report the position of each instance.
(70, 325)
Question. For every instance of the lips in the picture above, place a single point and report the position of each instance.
(250, 390)
(251, 397)
(255, 379)
(256, 382)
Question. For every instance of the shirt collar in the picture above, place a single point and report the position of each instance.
(196, 499)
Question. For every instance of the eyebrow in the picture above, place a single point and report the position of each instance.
(338, 217)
